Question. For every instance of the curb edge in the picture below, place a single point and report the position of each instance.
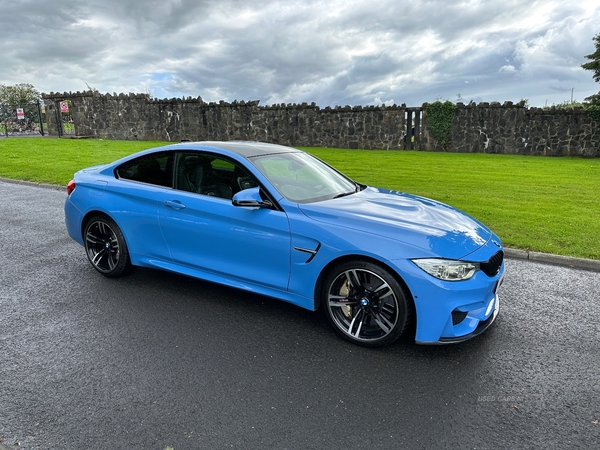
(55, 187)
(557, 260)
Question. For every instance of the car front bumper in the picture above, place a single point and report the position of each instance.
(451, 312)
(482, 325)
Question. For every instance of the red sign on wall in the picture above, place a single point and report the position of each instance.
(64, 107)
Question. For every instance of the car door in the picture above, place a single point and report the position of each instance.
(133, 201)
(205, 231)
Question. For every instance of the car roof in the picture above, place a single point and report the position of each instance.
(247, 149)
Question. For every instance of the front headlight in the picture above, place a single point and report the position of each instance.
(447, 269)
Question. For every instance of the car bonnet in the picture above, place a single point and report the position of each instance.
(433, 226)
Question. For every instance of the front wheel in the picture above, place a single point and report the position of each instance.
(105, 246)
(365, 303)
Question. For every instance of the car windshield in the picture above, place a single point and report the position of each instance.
(302, 178)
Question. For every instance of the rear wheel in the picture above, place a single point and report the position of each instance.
(365, 303)
(105, 246)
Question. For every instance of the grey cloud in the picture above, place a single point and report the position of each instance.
(334, 52)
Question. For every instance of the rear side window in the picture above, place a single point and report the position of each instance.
(155, 168)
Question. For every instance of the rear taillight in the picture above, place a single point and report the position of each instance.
(70, 187)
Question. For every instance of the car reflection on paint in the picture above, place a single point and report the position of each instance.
(277, 221)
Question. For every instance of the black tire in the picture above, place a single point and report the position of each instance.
(365, 303)
(105, 246)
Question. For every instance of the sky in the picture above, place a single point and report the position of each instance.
(331, 52)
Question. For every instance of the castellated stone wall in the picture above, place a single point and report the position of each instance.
(515, 129)
(135, 116)
(477, 128)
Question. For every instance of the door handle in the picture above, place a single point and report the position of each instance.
(175, 204)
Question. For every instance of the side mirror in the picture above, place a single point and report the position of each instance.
(250, 198)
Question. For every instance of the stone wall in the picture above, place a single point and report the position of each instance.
(489, 128)
(515, 129)
(135, 116)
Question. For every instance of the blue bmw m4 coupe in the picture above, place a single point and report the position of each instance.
(277, 221)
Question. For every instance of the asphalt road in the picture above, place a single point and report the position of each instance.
(155, 360)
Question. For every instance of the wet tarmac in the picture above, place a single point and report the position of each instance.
(156, 360)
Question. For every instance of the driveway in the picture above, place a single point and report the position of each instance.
(154, 360)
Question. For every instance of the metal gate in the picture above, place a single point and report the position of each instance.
(26, 119)
(413, 119)
(64, 118)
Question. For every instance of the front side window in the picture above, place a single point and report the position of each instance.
(155, 168)
(212, 175)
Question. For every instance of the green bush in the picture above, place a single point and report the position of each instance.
(440, 116)
(594, 112)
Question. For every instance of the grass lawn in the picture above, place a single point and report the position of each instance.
(55, 160)
(534, 203)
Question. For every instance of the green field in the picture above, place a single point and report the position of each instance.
(533, 203)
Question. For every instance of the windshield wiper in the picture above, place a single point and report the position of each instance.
(357, 187)
(343, 194)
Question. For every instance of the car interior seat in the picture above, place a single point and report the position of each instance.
(187, 172)
(210, 185)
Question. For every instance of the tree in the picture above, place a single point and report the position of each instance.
(594, 65)
(19, 94)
